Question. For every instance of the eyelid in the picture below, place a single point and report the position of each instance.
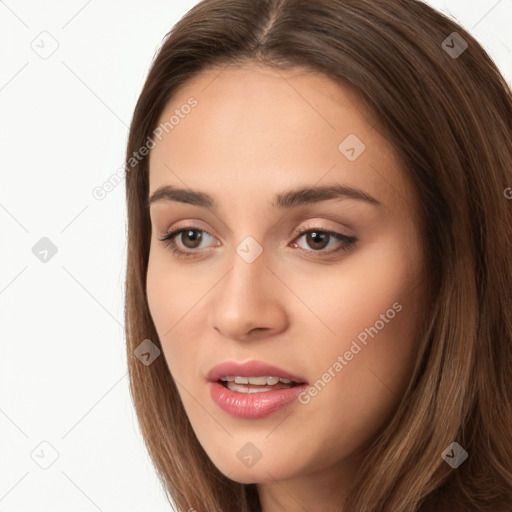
(175, 230)
(311, 225)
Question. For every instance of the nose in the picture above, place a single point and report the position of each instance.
(249, 302)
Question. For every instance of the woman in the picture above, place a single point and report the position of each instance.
(319, 247)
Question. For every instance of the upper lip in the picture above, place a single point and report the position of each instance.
(250, 369)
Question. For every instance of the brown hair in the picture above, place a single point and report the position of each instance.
(450, 119)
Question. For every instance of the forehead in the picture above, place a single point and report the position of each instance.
(254, 127)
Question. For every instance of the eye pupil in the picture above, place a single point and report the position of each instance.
(316, 237)
(195, 235)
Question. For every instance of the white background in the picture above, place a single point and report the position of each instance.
(63, 130)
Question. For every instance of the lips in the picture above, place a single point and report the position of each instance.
(251, 401)
(251, 369)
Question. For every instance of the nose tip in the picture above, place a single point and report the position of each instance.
(248, 303)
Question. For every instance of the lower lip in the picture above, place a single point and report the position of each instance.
(253, 405)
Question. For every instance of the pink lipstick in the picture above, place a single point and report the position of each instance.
(253, 389)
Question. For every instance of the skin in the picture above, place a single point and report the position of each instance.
(256, 132)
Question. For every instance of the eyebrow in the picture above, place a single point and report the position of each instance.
(284, 200)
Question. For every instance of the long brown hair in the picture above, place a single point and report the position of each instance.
(447, 111)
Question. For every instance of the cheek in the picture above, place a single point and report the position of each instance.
(159, 293)
(362, 370)
(167, 300)
(176, 299)
(348, 298)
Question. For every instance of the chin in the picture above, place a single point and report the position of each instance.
(251, 477)
(258, 473)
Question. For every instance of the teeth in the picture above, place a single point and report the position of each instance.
(243, 389)
(262, 381)
(257, 381)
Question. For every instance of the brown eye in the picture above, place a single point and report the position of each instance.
(185, 241)
(195, 236)
(317, 240)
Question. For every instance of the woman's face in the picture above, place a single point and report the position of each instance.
(336, 313)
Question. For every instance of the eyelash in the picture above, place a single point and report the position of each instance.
(349, 241)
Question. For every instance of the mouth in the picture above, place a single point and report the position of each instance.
(260, 384)
(253, 389)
